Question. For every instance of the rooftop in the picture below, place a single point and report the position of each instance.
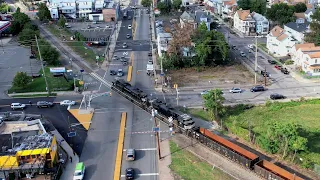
(305, 45)
(299, 27)
(202, 14)
(164, 35)
(186, 16)
(18, 126)
(258, 17)
(243, 14)
(277, 31)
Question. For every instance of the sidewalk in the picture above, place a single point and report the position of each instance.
(59, 93)
(70, 166)
(164, 170)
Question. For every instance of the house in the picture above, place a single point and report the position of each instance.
(111, 12)
(309, 3)
(66, 7)
(187, 18)
(228, 8)
(203, 17)
(163, 41)
(307, 56)
(99, 5)
(297, 29)
(279, 42)
(308, 13)
(85, 7)
(244, 23)
(262, 23)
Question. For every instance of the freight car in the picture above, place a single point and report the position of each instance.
(123, 86)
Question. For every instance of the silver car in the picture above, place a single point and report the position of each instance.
(235, 90)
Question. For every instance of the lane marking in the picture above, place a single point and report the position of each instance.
(146, 174)
(145, 149)
(117, 168)
(129, 73)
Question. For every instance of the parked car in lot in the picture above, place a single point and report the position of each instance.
(257, 88)
(15, 106)
(129, 27)
(277, 96)
(265, 73)
(67, 103)
(242, 54)
(235, 90)
(129, 173)
(41, 104)
(113, 72)
(120, 73)
(272, 61)
(278, 67)
(284, 70)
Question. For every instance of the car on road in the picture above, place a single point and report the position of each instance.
(242, 54)
(129, 173)
(94, 22)
(68, 26)
(129, 27)
(88, 27)
(115, 57)
(120, 73)
(41, 104)
(107, 26)
(125, 62)
(15, 106)
(265, 73)
(128, 36)
(257, 88)
(272, 61)
(97, 27)
(278, 67)
(130, 155)
(250, 46)
(150, 61)
(204, 92)
(234, 47)
(284, 70)
(149, 53)
(67, 103)
(277, 96)
(124, 45)
(113, 72)
(235, 90)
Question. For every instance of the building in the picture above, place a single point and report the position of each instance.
(163, 41)
(228, 9)
(26, 148)
(203, 17)
(187, 18)
(308, 14)
(262, 24)
(297, 29)
(66, 7)
(99, 5)
(244, 23)
(96, 16)
(85, 7)
(307, 56)
(309, 3)
(111, 12)
(279, 42)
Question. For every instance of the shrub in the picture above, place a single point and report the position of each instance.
(289, 62)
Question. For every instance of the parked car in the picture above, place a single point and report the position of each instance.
(41, 104)
(128, 36)
(150, 61)
(15, 106)
(235, 90)
(67, 103)
(115, 57)
(277, 96)
(88, 27)
(242, 54)
(68, 26)
(250, 46)
(129, 173)
(264, 73)
(149, 53)
(257, 88)
(32, 56)
(278, 67)
(129, 27)
(234, 47)
(113, 72)
(107, 26)
(125, 62)
(272, 61)
(120, 73)
(124, 45)
(284, 70)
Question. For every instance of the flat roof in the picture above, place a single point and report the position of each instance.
(7, 127)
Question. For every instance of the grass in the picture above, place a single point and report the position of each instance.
(34, 95)
(263, 46)
(77, 46)
(199, 113)
(190, 167)
(39, 84)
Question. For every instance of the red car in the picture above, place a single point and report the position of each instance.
(278, 67)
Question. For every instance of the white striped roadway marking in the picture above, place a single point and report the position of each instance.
(146, 174)
(145, 149)
(101, 79)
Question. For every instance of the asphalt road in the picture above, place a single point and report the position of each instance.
(58, 115)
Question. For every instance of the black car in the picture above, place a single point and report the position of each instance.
(272, 61)
(129, 173)
(149, 53)
(277, 96)
(257, 88)
(264, 73)
(41, 104)
(113, 72)
(32, 56)
(284, 70)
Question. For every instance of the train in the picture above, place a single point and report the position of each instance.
(185, 124)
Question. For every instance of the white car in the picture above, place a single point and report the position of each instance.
(235, 90)
(107, 26)
(129, 27)
(250, 46)
(242, 54)
(67, 103)
(17, 106)
(204, 92)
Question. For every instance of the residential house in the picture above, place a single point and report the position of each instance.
(308, 14)
(262, 24)
(307, 56)
(66, 7)
(309, 3)
(203, 17)
(187, 18)
(85, 7)
(279, 42)
(163, 40)
(297, 29)
(228, 8)
(99, 5)
(244, 23)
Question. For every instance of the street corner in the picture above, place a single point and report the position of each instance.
(84, 116)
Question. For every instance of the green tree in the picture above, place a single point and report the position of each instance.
(299, 144)
(21, 80)
(146, 3)
(4, 8)
(163, 7)
(176, 4)
(20, 19)
(43, 12)
(300, 7)
(62, 21)
(213, 101)
(244, 4)
(314, 35)
(281, 13)
(26, 36)
(258, 6)
(48, 53)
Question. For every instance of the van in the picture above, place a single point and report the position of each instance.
(79, 171)
(17, 106)
(130, 155)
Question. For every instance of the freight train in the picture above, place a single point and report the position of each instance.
(232, 151)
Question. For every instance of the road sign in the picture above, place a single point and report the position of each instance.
(162, 74)
(156, 129)
(72, 134)
(81, 82)
(81, 70)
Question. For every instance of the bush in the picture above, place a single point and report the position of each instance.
(289, 62)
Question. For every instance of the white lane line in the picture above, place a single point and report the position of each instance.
(146, 174)
(146, 149)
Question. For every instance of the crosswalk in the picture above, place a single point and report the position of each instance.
(99, 78)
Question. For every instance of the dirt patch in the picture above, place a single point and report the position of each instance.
(220, 75)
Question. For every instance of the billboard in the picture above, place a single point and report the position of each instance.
(58, 70)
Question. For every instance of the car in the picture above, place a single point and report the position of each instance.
(113, 72)
(97, 27)
(129, 173)
(124, 45)
(250, 46)
(204, 92)
(67, 103)
(32, 56)
(79, 171)
(235, 90)
(107, 26)
(88, 27)
(129, 18)
(277, 96)
(123, 58)
(150, 61)
(15, 106)
(272, 61)
(115, 57)
(257, 88)
(94, 22)
(278, 67)
(41, 104)
(129, 27)
(130, 155)
(120, 73)
(264, 73)
(149, 53)
(68, 26)
(284, 70)
(242, 54)
(234, 47)
(125, 62)
(128, 36)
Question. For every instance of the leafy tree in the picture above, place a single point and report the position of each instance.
(20, 19)
(146, 3)
(213, 25)
(300, 7)
(314, 35)
(299, 144)
(244, 4)
(62, 21)
(4, 8)
(258, 6)
(43, 12)
(21, 80)
(181, 37)
(281, 13)
(31, 26)
(26, 36)
(48, 53)
(213, 102)
(163, 7)
(176, 4)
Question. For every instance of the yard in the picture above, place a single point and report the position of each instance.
(208, 76)
(39, 84)
(189, 167)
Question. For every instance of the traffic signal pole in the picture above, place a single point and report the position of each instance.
(154, 112)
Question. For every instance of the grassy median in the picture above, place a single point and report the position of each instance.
(189, 167)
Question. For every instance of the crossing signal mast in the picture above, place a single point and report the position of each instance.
(87, 98)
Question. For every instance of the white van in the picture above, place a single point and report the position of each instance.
(17, 106)
(79, 171)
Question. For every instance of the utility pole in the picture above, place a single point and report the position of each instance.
(44, 73)
(256, 61)
(154, 113)
(31, 68)
(265, 76)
